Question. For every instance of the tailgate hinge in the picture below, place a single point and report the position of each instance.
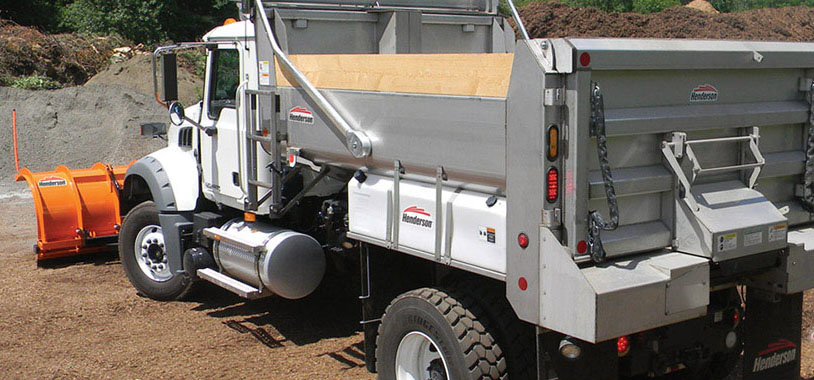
(554, 97)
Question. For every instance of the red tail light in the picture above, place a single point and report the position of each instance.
(553, 185)
(622, 345)
(523, 240)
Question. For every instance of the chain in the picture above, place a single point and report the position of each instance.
(597, 223)
(808, 178)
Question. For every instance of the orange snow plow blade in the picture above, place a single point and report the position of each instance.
(77, 210)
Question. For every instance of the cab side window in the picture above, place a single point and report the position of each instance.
(224, 80)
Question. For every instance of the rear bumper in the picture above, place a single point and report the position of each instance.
(621, 297)
(640, 293)
(793, 274)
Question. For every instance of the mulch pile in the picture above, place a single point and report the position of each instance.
(553, 19)
(70, 59)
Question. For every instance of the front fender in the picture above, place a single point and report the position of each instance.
(172, 176)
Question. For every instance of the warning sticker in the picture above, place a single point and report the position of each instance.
(265, 73)
(752, 238)
(487, 234)
(778, 232)
(727, 242)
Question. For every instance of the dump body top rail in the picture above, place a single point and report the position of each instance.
(473, 6)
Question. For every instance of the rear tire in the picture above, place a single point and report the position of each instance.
(148, 272)
(455, 331)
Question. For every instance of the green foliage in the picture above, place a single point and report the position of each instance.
(140, 21)
(503, 6)
(652, 6)
(194, 60)
(187, 20)
(745, 5)
(605, 5)
(137, 20)
(723, 6)
(34, 82)
(33, 12)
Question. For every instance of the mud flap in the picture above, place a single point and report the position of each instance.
(772, 336)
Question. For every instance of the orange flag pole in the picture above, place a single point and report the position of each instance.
(14, 130)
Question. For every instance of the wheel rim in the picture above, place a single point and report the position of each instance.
(151, 255)
(418, 358)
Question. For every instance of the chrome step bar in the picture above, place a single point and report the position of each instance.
(244, 290)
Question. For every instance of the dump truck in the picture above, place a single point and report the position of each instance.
(568, 208)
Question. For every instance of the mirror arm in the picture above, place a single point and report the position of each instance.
(210, 131)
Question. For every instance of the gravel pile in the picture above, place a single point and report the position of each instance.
(76, 126)
(136, 74)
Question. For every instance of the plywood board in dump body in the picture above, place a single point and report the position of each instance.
(480, 75)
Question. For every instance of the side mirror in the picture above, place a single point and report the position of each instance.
(177, 114)
(169, 78)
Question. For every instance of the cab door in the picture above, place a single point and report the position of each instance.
(220, 152)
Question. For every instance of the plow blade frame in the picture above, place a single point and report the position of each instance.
(78, 211)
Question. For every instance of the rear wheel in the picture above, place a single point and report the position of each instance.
(144, 255)
(429, 334)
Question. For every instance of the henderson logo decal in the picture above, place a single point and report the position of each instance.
(52, 181)
(301, 115)
(776, 354)
(417, 216)
(704, 93)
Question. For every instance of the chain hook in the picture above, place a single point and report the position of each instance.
(597, 222)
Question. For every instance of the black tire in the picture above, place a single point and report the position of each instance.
(459, 328)
(516, 337)
(143, 215)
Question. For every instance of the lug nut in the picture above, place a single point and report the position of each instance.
(144, 246)
(160, 267)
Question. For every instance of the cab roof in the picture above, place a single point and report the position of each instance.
(234, 31)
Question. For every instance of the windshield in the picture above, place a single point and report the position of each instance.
(224, 80)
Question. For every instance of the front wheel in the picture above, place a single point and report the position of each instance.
(144, 255)
(429, 334)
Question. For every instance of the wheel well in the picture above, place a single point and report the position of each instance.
(134, 192)
(392, 273)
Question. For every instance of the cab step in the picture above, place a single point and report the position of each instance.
(242, 289)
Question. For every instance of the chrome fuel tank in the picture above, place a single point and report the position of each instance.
(289, 264)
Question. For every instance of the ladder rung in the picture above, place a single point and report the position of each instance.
(261, 138)
(261, 184)
(260, 92)
(732, 168)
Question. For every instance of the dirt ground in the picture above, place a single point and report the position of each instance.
(83, 320)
